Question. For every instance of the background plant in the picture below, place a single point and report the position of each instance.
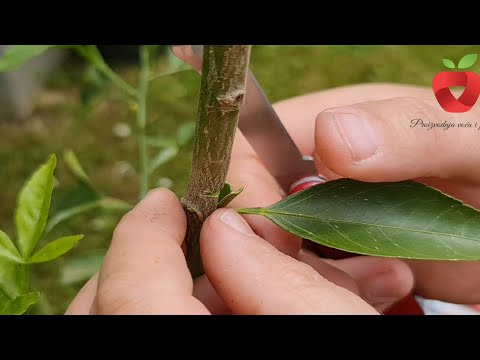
(81, 107)
(16, 258)
(84, 197)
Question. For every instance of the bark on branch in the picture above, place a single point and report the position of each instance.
(222, 91)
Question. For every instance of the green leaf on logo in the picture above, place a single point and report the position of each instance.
(20, 304)
(467, 61)
(405, 219)
(33, 207)
(449, 63)
(17, 55)
(55, 249)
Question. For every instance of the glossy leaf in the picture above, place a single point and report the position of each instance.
(17, 55)
(55, 249)
(7, 249)
(14, 277)
(449, 63)
(33, 207)
(20, 304)
(467, 61)
(162, 158)
(227, 194)
(404, 219)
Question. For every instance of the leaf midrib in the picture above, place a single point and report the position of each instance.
(276, 212)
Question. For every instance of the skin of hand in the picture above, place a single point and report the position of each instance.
(389, 110)
(145, 271)
(364, 132)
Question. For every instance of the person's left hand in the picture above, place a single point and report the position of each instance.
(145, 271)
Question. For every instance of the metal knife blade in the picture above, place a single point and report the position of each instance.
(262, 127)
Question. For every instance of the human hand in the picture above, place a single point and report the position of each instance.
(446, 160)
(145, 271)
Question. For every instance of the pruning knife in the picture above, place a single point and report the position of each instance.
(294, 172)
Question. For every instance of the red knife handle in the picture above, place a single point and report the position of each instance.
(406, 306)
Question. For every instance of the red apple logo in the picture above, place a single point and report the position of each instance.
(442, 82)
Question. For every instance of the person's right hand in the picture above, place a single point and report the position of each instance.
(363, 132)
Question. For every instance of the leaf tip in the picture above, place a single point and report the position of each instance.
(52, 160)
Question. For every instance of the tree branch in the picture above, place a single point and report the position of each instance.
(222, 91)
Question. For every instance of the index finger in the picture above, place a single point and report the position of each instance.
(145, 270)
(260, 189)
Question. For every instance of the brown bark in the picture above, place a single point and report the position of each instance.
(222, 92)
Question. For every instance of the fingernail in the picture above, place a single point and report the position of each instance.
(357, 133)
(236, 222)
(379, 290)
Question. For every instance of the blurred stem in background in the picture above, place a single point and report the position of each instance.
(142, 119)
(138, 96)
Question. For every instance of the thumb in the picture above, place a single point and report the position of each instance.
(394, 139)
(253, 277)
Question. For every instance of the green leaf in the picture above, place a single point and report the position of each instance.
(404, 219)
(14, 277)
(55, 249)
(7, 249)
(226, 195)
(82, 193)
(467, 61)
(449, 63)
(80, 199)
(71, 212)
(20, 304)
(17, 55)
(74, 166)
(185, 133)
(160, 141)
(162, 158)
(82, 268)
(33, 207)
(3, 297)
(226, 189)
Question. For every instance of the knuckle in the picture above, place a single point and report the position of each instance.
(115, 299)
(308, 292)
(300, 277)
(416, 108)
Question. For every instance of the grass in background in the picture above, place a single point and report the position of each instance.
(61, 121)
